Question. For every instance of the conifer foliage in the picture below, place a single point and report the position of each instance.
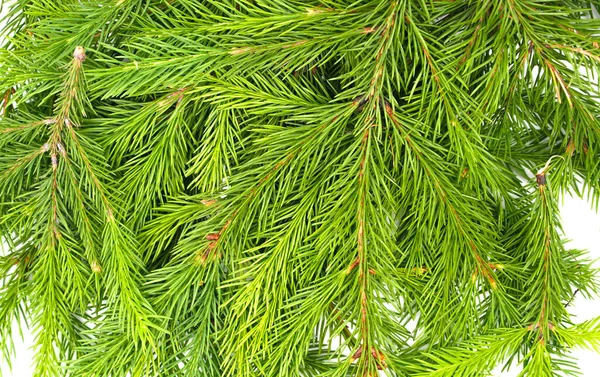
(296, 188)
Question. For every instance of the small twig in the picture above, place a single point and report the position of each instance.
(572, 298)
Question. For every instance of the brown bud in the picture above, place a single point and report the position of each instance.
(388, 109)
(385, 106)
(379, 357)
(358, 353)
(541, 179)
(212, 236)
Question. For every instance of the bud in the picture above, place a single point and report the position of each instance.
(61, 149)
(79, 53)
(212, 236)
(358, 353)
(379, 358)
(95, 266)
(54, 161)
(540, 179)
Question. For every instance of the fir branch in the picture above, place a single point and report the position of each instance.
(481, 353)
(285, 188)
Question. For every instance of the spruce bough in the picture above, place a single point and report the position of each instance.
(296, 188)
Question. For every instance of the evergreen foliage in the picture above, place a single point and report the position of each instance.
(296, 188)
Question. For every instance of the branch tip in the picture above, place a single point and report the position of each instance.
(95, 266)
(540, 178)
(79, 53)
